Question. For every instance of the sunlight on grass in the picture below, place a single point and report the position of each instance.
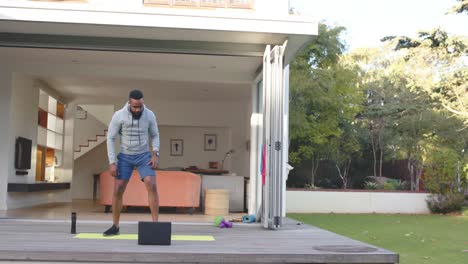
(425, 239)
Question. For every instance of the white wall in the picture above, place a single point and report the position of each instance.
(193, 151)
(5, 157)
(66, 170)
(302, 201)
(102, 113)
(213, 114)
(86, 129)
(95, 161)
(24, 106)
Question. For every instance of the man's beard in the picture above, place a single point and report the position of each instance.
(136, 115)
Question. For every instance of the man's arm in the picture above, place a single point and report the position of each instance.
(112, 132)
(154, 133)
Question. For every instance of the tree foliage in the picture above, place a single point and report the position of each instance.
(322, 95)
(436, 64)
(404, 100)
(461, 7)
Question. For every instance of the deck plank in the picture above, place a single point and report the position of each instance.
(28, 240)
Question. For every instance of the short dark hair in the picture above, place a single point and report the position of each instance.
(135, 94)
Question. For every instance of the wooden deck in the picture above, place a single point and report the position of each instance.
(30, 240)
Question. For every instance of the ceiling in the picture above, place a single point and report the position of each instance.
(82, 89)
(81, 73)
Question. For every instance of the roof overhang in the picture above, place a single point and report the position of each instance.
(159, 30)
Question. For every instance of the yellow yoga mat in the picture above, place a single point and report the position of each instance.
(135, 237)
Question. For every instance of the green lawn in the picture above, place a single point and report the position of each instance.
(425, 239)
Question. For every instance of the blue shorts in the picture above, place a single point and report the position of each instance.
(126, 163)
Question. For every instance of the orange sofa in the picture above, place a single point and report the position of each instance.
(175, 189)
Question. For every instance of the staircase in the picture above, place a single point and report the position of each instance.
(90, 127)
(92, 143)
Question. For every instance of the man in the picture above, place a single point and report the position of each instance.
(135, 124)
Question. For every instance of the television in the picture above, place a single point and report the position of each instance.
(23, 153)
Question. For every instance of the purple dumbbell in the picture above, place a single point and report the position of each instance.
(225, 224)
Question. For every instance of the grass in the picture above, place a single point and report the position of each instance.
(419, 239)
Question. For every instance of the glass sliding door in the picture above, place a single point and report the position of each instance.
(274, 145)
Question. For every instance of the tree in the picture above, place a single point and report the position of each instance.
(322, 92)
(461, 7)
(415, 131)
(435, 64)
(383, 102)
(398, 116)
(346, 147)
(432, 67)
(444, 180)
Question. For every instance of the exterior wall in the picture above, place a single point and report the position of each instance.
(302, 201)
(280, 7)
(156, 22)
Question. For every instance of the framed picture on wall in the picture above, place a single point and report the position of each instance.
(177, 147)
(210, 142)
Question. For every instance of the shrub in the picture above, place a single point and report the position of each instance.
(390, 185)
(395, 185)
(310, 186)
(369, 185)
(402, 185)
(443, 204)
(441, 171)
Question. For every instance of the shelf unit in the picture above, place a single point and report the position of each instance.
(49, 136)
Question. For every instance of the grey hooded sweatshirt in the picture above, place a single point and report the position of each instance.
(134, 133)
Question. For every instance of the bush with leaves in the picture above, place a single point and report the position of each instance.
(443, 165)
(369, 185)
(390, 185)
(446, 179)
(448, 203)
(402, 186)
(395, 185)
